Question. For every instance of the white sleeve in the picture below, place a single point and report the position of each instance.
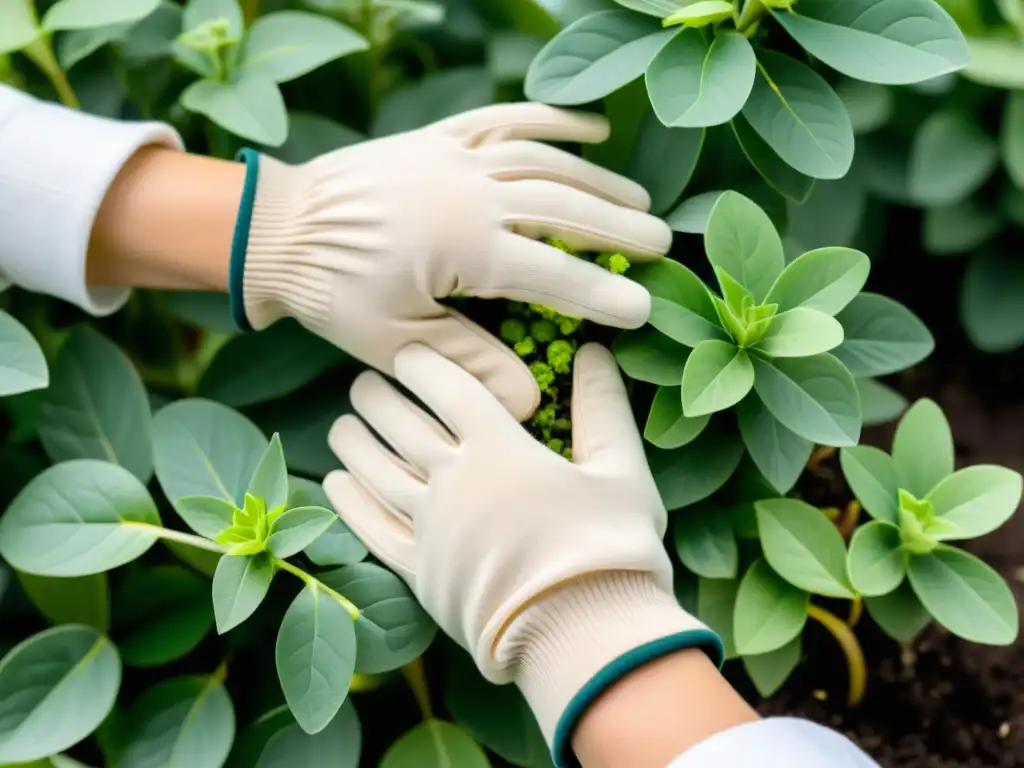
(56, 165)
(782, 742)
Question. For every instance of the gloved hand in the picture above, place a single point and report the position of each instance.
(550, 573)
(359, 244)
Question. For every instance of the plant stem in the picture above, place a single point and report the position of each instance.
(314, 582)
(182, 538)
(753, 10)
(416, 677)
(250, 10)
(856, 611)
(41, 54)
(847, 522)
(855, 663)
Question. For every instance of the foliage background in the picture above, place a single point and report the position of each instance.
(944, 159)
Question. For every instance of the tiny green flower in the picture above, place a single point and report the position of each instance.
(560, 354)
(543, 374)
(543, 331)
(525, 347)
(513, 330)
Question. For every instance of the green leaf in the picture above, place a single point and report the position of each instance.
(335, 546)
(779, 174)
(287, 44)
(950, 158)
(800, 117)
(893, 42)
(741, 240)
(96, 406)
(667, 426)
(239, 586)
(825, 279)
(701, 13)
(509, 54)
(211, 311)
(695, 85)
(869, 105)
(85, 14)
(55, 689)
(990, 296)
(769, 671)
(433, 97)
(19, 26)
(81, 600)
(705, 542)
(716, 607)
(977, 500)
(251, 107)
(393, 629)
(923, 448)
(497, 716)
(690, 474)
(996, 62)
(297, 528)
(153, 37)
(881, 337)
(184, 721)
(595, 56)
(877, 561)
(435, 744)
(779, 453)
(663, 160)
(206, 515)
(960, 228)
(22, 365)
(800, 332)
(270, 478)
(647, 355)
(874, 479)
(681, 305)
(659, 8)
(965, 596)
(161, 614)
(691, 216)
(261, 366)
(275, 740)
(78, 518)
(899, 614)
(769, 612)
(309, 135)
(1012, 137)
(202, 448)
(199, 11)
(803, 546)
(315, 653)
(879, 403)
(78, 44)
(815, 397)
(717, 376)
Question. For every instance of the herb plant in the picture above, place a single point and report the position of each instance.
(166, 552)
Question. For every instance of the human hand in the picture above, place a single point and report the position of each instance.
(361, 244)
(550, 573)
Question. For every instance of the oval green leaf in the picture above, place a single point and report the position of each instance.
(876, 562)
(79, 600)
(965, 596)
(55, 689)
(435, 744)
(950, 158)
(716, 607)
(315, 655)
(392, 629)
(803, 546)
(287, 44)
(705, 542)
(977, 500)
(335, 546)
(779, 174)
(990, 301)
(78, 518)
(879, 402)
(769, 611)
(923, 448)
(717, 376)
(663, 160)
(85, 14)
(874, 479)
(667, 426)
(779, 453)
(695, 85)
(22, 364)
(800, 332)
(881, 336)
(275, 740)
(741, 240)
(690, 474)
(96, 406)
(297, 528)
(252, 107)
(825, 279)
(899, 613)
(800, 117)
(239, 586)
(648, 355)
(769, 671)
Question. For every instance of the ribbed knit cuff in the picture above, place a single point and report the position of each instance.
(577, 642)
(280, 274)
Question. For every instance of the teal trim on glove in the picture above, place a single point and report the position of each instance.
(240, 238)
(708, 641)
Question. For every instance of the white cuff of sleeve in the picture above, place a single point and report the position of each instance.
(782, 742)
(56, 166)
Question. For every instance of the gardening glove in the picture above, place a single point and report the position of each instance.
(551, 573)
(361, 243)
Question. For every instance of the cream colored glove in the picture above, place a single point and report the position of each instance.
(359, 244)
(550, 573)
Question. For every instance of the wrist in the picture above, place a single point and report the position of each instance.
(574, 644)
(166, 222)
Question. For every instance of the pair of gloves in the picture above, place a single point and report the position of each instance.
(551, 573)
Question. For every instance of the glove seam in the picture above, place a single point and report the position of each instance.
(240, 238)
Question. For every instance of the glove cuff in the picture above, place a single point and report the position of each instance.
(272, 274)
(572, 645)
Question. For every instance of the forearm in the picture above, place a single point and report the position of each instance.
(658, 712)
(167, 222)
